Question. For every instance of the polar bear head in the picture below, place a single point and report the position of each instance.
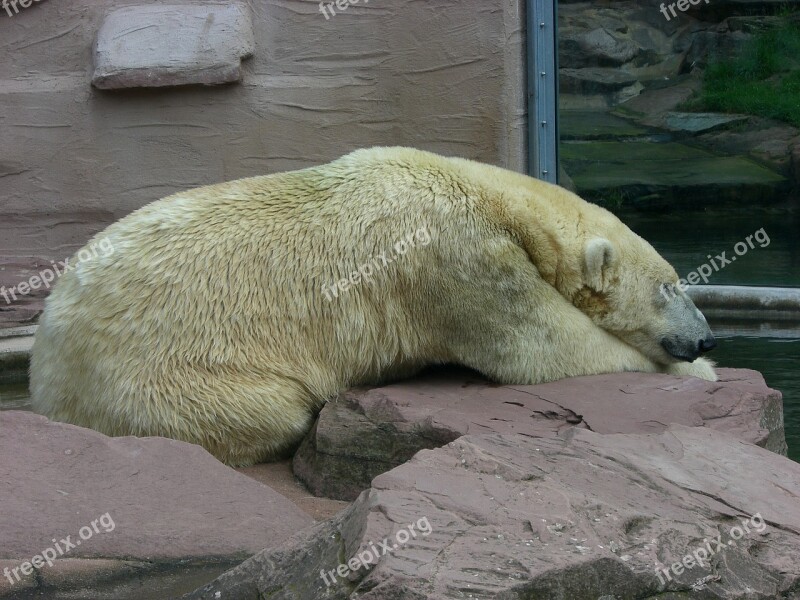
(598, 264)
(629, 290)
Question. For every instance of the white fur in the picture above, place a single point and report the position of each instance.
(208, 323)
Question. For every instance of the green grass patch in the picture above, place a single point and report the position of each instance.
(763, 80)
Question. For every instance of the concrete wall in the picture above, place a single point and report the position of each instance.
(443, 75)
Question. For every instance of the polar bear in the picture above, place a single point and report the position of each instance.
(227, 315)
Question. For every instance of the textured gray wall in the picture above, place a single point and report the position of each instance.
(446, 76)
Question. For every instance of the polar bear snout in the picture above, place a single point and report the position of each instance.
(707, 344)
(688, 349)
(684, 333)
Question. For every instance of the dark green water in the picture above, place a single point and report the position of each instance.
(14, 396)
(687, 240)
(778, 360)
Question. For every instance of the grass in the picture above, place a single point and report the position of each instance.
(763, 80)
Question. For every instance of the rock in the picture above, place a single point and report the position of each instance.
(157, 504)
(279, 477)
(366, 432)
(595, 48)
(24, 309)
(594, 80)
(609, 54)
(637, 24)
(653, 104)
(156, 46)
(649, 12)
(719, 9)
(596, 87)
(713, 45)
(794, 158)
(573, 516)
(766, 141)
(667, 176)
(701, 122)
(650, 71)
(754, 24)
(596, 125)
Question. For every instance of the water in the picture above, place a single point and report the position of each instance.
(778, 360)
(154, 583)
(15, 397)
(686, 241)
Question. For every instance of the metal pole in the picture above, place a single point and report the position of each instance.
(542, 70)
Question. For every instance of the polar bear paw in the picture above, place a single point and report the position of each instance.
(702, 368)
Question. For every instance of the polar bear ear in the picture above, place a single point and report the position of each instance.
(598, 255)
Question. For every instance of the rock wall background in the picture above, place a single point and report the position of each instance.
(445, 76)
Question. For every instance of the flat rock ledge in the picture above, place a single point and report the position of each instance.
(577, 489)
(690, 512)
(162, 510)
(366, 432)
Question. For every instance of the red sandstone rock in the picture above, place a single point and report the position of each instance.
(169, 501)
(573, 516)
(367, 432)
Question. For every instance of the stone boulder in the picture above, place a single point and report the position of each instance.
(766, 141)
(366, 432)
(719, 9)
(694, 123)
(595, 47)
(170, 45)
(690, 512)
(132, 508)
(716, 43)
(609, 54)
